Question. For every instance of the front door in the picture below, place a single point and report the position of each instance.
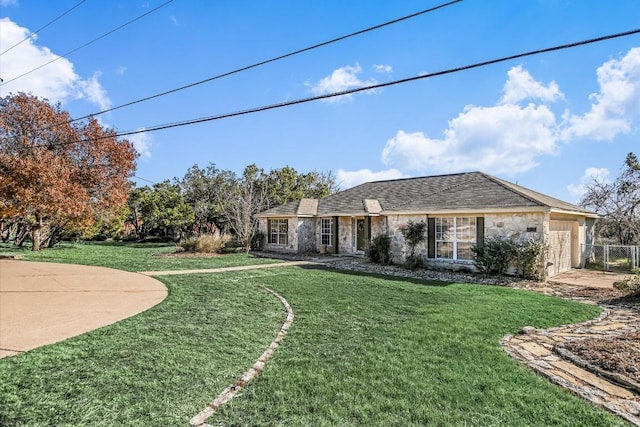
(361, 235)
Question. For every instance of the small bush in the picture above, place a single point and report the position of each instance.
(258, 240)
(206, 243)
(380, 250)
(412, 262)
(493, 256)
(497, 256)
(529, 257)
(631, 285)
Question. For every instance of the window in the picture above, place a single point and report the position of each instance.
(326, 231)
(278, 231)
(455, 237)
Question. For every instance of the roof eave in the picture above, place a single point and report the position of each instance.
(567, 212)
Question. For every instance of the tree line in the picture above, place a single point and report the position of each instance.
(209, 199)
(63, 179)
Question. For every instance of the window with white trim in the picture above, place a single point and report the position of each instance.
(454, 237)
(326, 231)
(278, 231)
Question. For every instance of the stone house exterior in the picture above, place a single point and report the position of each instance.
(460, 210)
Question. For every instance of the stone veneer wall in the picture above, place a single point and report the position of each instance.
(306, 235)
(346, 244)
(514, 225)
(508, 225)
(398, 247)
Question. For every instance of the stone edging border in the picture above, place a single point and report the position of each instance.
(541, 367)
(229, 392)
(612, 376)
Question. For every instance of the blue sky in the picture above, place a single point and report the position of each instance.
(549, 122)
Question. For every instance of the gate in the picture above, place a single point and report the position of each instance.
(619, 258)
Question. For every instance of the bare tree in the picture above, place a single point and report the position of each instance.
(618, 203)
(243, 199)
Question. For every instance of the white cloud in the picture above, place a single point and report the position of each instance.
(520, 86)
(615, 106)
(121, 70)
(348, 179)
(590, 175)
(142, 143)
(56, 81)
(504, 139)
(93, 91)
(343, 78)
(5, 3)
(383, 68)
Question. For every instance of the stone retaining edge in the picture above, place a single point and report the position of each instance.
(612, 376)
(228, 393)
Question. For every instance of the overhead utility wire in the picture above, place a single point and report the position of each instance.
(88, 43)
(380, 85)
(277, 58)
(365, 88)
(41, 28)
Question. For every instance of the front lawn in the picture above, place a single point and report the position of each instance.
(131, 256)
(362, 351)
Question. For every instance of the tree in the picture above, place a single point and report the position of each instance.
(201, 189)
(243, 199)
(286, 184)
(55, 173)
(618, 203)
(160, 211)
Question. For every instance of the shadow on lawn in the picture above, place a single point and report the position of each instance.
(397, 278)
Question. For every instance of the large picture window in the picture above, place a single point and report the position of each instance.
(454, 237)
(326, 231)
(278, 231)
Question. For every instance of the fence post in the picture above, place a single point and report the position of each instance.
(606, 257)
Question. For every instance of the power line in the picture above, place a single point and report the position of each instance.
(268, 61)
(41, 28)
(360, 89)
(91, 42)
(143, 179)
(377, 86)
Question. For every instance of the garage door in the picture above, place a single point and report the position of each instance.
(559, 247)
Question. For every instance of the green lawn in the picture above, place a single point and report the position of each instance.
(362, 351)
(131, 256)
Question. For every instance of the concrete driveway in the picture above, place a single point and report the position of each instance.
(589, 278)
(43, 303)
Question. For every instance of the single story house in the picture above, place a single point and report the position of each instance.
(460, 210)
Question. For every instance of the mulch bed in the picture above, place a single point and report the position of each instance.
(620, 355)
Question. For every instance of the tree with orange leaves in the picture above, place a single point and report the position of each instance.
(55, 173)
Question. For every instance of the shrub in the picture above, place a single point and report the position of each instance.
(413, 233)
(630, 285)
(493, 256)
(206, 243)
(497, 256)
(528, 259)
(380, 250)
(258, 240)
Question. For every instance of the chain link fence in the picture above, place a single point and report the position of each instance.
(618, 258)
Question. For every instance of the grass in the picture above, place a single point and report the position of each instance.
(131, 256)
(362, 350)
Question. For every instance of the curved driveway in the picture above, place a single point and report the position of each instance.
(43, 303)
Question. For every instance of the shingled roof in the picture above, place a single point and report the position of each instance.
(471, 191)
